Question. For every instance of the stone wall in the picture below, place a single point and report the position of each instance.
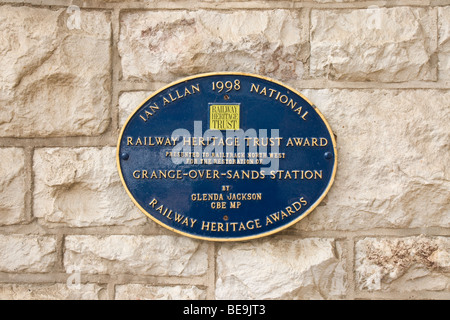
(71, 72)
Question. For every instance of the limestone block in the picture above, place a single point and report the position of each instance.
(403, 264)
(27, 253)
(375, 44)
(12, 186)
(392, 159)
(80, 187)
(142, 255)
(148, 292)
(128, 102)
(277, 268)
(55, 75)
(444, 42)
(56, 291)
(167, 45)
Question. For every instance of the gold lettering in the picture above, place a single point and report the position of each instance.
(205, 226)
(195, 88)
(306, 142)
(298, 110)
(178, 217)
(289, 143)
(277, 95)
(292, 104)
(159, 140)
(154, 107)
(304, 115)
(254, 87)
(297, 206)
(153, 203)
(263, 91)
(289, 210)
(271, 92)
(317, 174)
(171, 98)
(284, 99)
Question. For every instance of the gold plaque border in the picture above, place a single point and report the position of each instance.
(264, 234)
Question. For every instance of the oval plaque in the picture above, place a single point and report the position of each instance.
(226, 156)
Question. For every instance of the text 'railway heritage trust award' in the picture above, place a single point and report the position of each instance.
(226, 156)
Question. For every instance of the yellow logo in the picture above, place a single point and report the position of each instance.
(224, 116)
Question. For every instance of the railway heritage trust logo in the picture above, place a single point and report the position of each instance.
(224, 116)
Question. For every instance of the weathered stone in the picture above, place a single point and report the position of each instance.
(80, 187)
(27, 253)
(147, 292)
(280, 269)
(444, 42)
(56, 291)
(333, 1)
(392, 159)
(55, 78)
(143, 255)
(12, 186)
(167, 45)
(376, 44)
(404, 264)
(128, 102)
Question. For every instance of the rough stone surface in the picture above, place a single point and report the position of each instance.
(55, 78)
(167, 45)
(12, 186)
(70, 77)
(148, 292)
(392, 159)
(405, 264)
(444, 42)
(280, 269)
(128, 102)
(56, 291)
(80, 187)
(376, 44)
(144, 255)
(27, 253)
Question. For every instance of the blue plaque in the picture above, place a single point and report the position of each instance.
(226, 156)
